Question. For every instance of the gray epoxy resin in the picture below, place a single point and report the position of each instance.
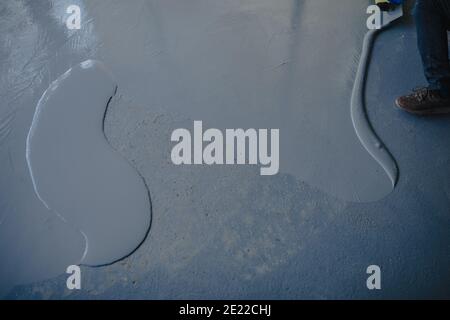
(369, 139)
(288, 65)
(78, 175)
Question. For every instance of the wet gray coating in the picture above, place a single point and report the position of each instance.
(229, 64)
(256, 65)
(35, 244)
(226, 232)
(361, 122)
(77, 174)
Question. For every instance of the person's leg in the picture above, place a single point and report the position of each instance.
(432, 24)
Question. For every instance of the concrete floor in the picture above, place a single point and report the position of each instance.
(227, 232)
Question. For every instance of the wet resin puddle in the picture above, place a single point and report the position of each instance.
(257, 64)
(35, 244)
(232, 64)
(77, 174)
(358, 109)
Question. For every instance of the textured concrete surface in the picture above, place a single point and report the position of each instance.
(227, 232)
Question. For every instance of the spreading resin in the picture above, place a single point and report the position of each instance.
(286, 64)
(35, 243)
(255, 64)
(78, 175)
(361, 123)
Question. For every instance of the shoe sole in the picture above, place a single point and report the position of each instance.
(430, 112)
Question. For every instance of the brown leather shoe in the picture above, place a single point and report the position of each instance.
(424, 101)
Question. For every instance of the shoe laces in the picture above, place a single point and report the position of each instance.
(422, 93)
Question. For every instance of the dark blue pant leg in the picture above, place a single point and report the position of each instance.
(433, 21)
